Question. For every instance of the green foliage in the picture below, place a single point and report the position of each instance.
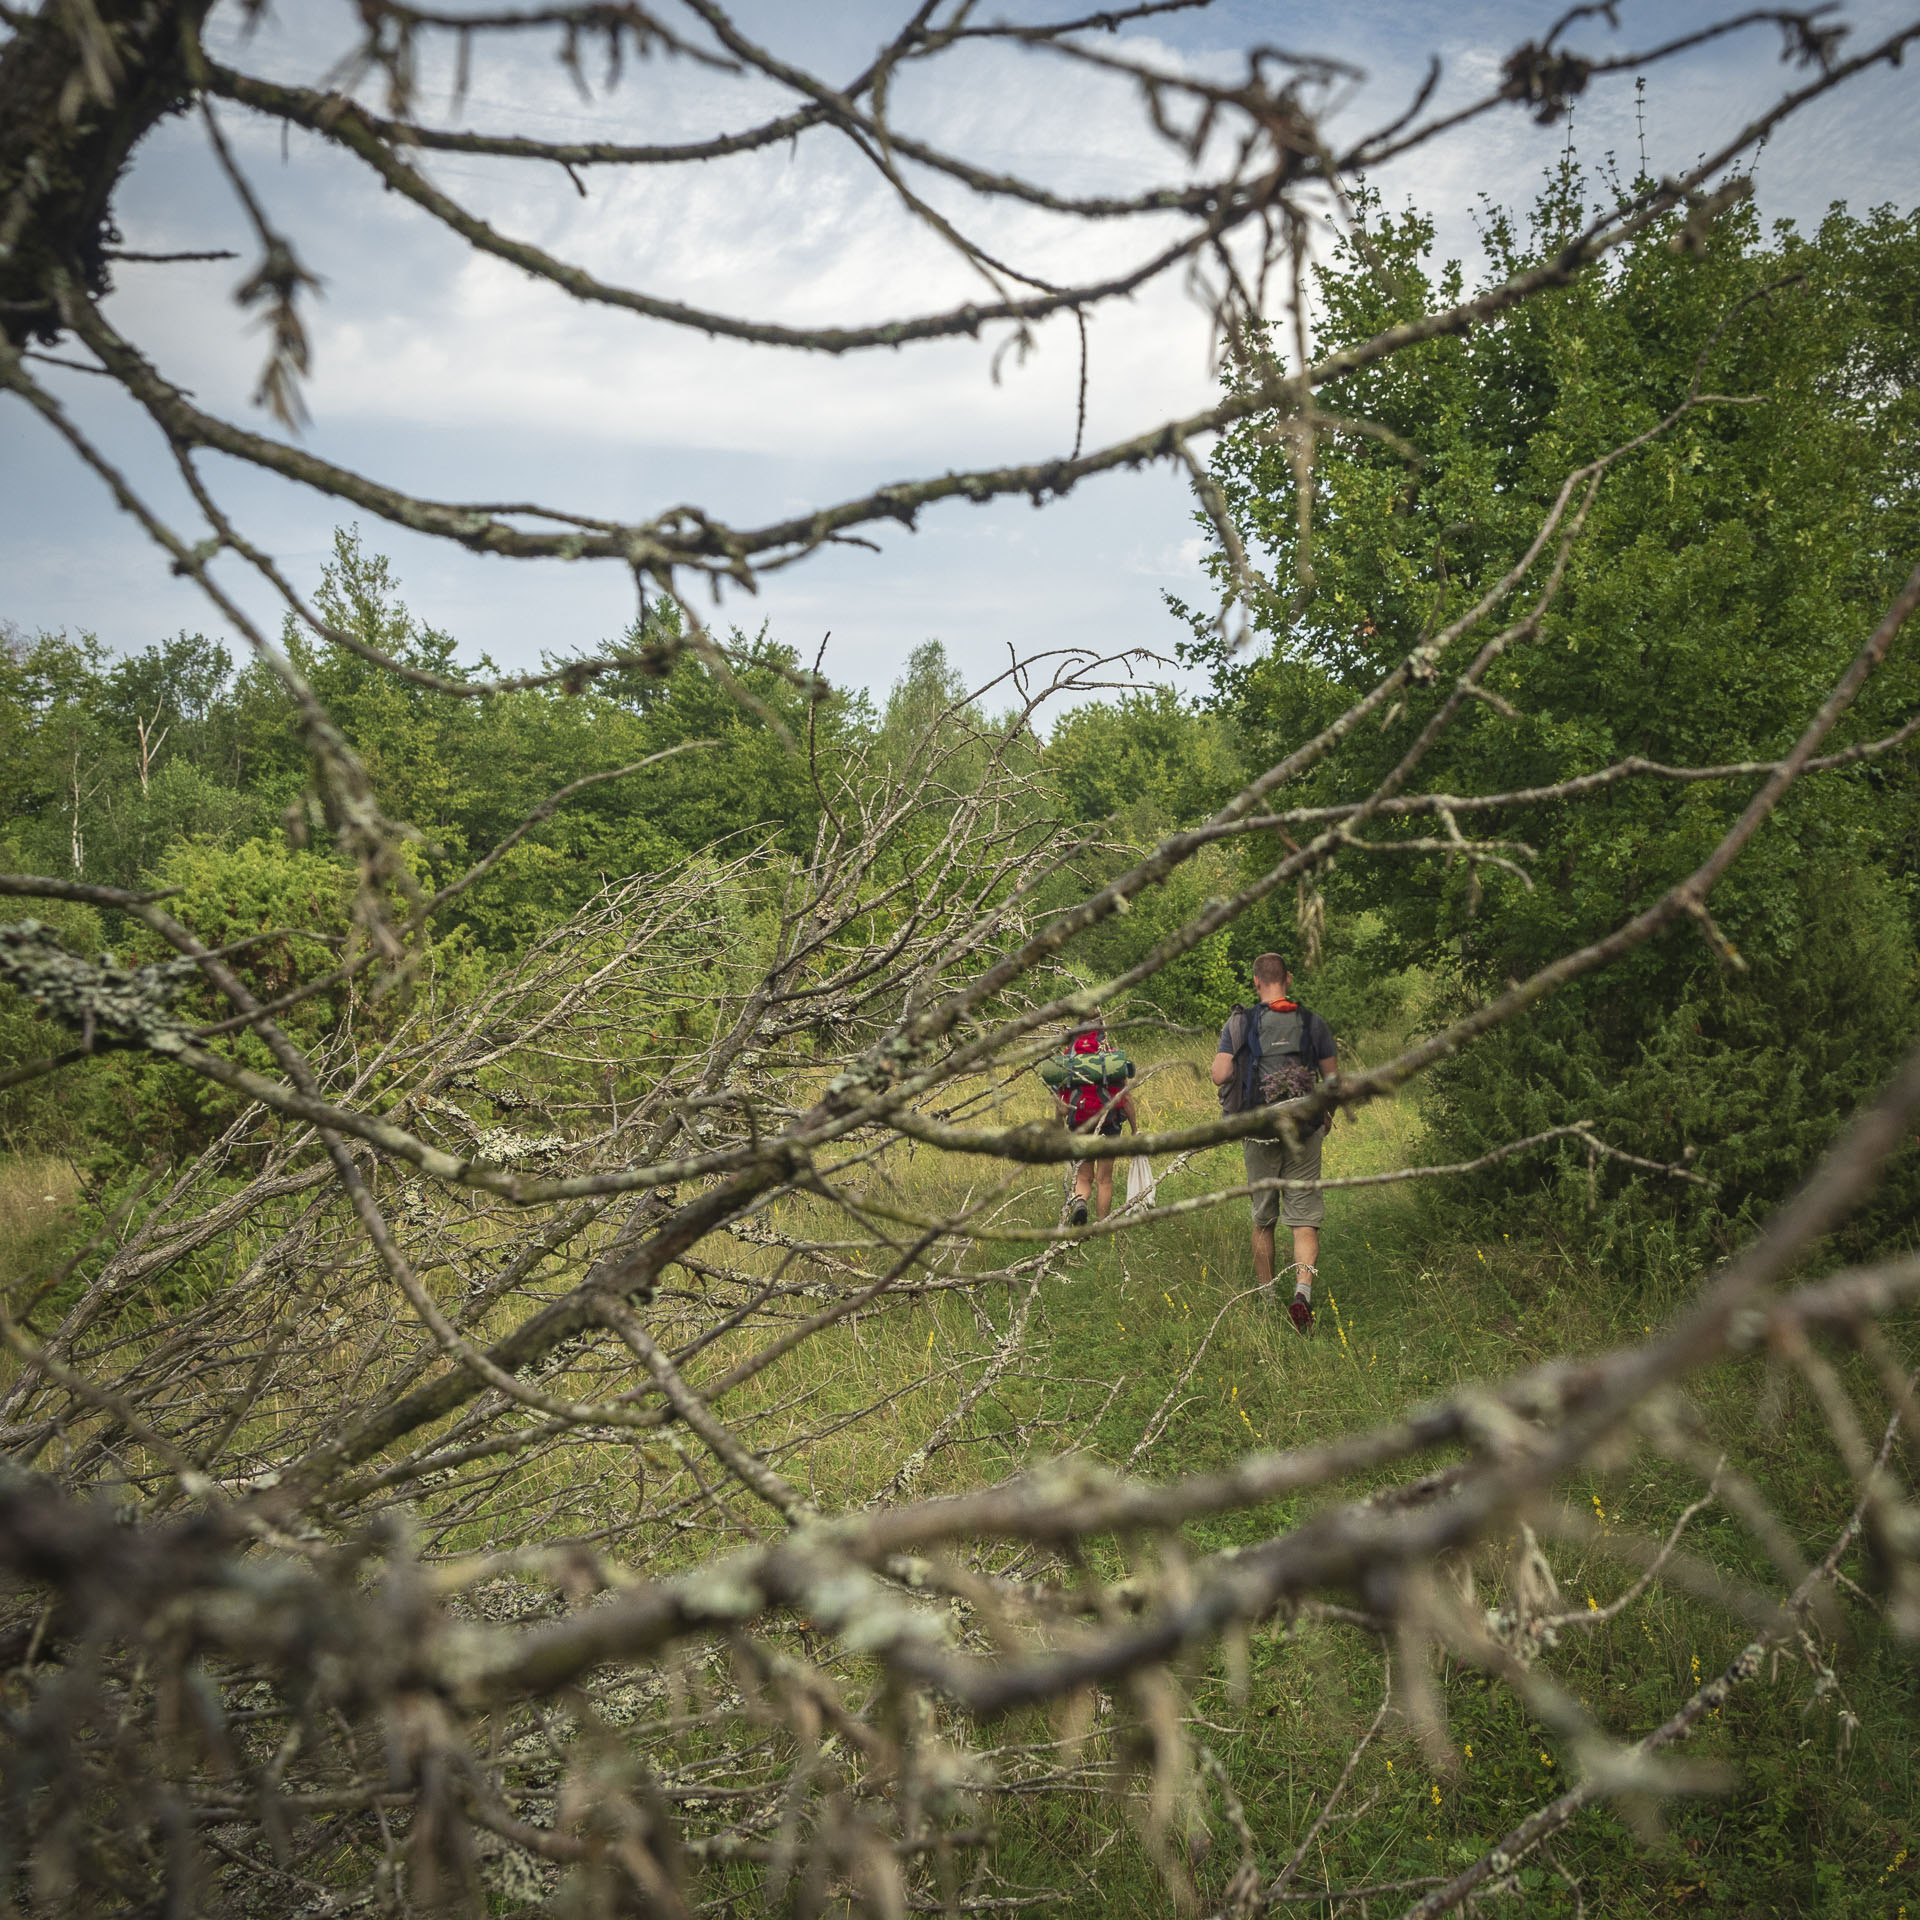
(1125, 774)
(1356, 988)
(291, 907)
(1199, 986)
(466, 772)
(1743, 1073)
(927, 705)
(288, 916)
(1728, 570)
(1148, 761)
(225, 758)
(169, 768)
(48, 735)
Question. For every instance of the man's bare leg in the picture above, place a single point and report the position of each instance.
(1306, 1255)
(1106, 1188)
(1263, 1258)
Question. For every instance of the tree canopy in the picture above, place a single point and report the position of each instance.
(1725, 565)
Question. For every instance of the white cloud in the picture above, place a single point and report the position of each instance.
(459, 374)
(806, 236)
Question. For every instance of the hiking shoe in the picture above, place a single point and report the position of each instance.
(1300, 1312)
(1078, 1217)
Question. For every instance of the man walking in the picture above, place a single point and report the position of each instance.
(1271, 1051)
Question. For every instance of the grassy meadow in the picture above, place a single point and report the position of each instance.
(1813, 1821)
(1148, 1352)
(34, 1189)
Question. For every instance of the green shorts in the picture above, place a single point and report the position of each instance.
(1272, 1160)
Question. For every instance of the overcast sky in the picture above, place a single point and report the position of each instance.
(458, 377)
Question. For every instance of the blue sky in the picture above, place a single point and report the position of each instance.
(462, 379)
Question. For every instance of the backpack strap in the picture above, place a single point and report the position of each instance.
(1308, 1051)
(1250, 1073)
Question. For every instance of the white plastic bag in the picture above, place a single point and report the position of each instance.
(1141, 1182)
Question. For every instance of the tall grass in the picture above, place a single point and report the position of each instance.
(35, 1190)
(1405, 1312)
(1803, 1827)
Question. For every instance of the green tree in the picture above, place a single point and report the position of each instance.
(1148, 759)
(1727, 571)
(55, 748)
(106, 763)
(1127, 772)
(466, 772)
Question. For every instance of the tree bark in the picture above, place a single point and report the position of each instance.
(80, 84)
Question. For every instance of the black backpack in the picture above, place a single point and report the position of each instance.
(1259, 1078)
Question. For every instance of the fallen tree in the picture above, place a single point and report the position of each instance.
(410, 1499)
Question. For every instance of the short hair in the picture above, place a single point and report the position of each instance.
(1270, 970)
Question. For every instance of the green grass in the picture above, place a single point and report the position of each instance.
(35, 1191)
(1407, 1311)
(1405, 1315)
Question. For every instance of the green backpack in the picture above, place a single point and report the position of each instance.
(1108, 1070)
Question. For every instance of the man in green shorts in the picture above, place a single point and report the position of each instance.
(1296, 1049)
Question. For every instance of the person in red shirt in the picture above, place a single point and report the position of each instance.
(1103, 1110)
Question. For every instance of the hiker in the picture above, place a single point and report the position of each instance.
(1271, 1051)
(1090, 1082)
